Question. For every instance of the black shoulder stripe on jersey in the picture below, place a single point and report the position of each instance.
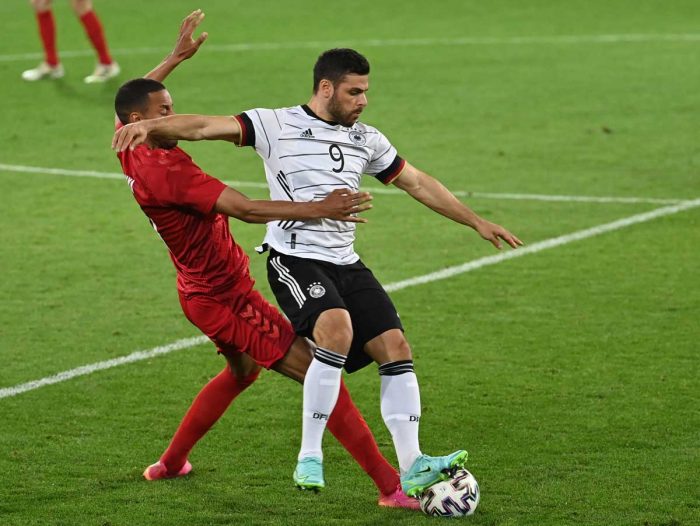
(247, 130)
(390, 172)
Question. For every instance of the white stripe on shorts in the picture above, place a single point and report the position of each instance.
(286, 278)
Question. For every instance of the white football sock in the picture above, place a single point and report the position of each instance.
(321, 386)
(400, 403)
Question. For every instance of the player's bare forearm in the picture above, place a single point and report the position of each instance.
(184, 127)
(340, 205)
(162, 70)
(184, 48)
(191, 127)
(433, 194)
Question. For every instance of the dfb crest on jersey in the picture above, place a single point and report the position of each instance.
(357, 137)
(316, 290)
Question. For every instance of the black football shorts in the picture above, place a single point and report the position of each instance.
(304, 288)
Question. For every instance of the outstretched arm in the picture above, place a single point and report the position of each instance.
(340, 204)
(186, 127)
(433, 194)
(185, 47)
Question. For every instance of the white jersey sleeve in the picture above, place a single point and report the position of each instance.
(260, 128)
(384, 163)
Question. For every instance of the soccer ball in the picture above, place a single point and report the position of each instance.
(454, 497)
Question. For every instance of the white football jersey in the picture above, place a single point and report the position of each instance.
(305, 159)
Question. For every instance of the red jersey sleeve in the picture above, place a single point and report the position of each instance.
(185, 184)
(171, 178)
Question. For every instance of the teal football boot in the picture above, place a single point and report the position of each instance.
(309, 474)
(426, 471)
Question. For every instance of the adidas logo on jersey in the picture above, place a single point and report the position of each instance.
(306, 134)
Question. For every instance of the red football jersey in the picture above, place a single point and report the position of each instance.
(178, 198)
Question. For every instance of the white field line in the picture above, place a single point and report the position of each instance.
(397, 42)
(375, 190)
(544, 245)
(391, 287)
(137, 356)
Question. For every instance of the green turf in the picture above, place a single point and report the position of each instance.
(570, 375)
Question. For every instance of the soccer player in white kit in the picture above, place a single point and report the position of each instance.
(318, 279)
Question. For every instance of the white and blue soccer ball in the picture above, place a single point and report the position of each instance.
(455, 497)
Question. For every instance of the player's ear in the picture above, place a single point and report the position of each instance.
(325, 88)
(135, 116)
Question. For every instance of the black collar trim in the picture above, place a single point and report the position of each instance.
(311, 113)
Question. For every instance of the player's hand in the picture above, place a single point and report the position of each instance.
(130, 136)
(494, 233)
(343, 204)
(186, 46)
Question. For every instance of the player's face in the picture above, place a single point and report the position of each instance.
(160, 104)
(349, 99)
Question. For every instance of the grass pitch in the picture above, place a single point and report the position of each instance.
(570, 374)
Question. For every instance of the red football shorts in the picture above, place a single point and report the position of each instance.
(241, 322)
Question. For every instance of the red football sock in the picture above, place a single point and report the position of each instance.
(47, 32)
(207, 408)
(94, 31)
(351, 430)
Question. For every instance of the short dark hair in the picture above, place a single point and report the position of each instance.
(133, 96)
(334, 64)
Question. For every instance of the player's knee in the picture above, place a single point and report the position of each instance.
(391, 346)
(40, 5)
(333, 331)
(242, 366)
(338, 341)
(80, 7)
(401, 350)
(248, 373)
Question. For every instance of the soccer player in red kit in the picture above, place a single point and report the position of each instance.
(51, 67)
(190, 210)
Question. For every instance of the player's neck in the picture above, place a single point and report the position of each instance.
(319, 109)
(160, 145)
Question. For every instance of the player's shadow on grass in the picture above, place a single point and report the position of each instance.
(95, 94)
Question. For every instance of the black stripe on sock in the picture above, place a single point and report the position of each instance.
(396, 368)
(330, 358)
